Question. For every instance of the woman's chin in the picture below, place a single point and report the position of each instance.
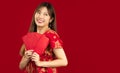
(40, 25)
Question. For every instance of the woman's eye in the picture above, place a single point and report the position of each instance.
(46, 14)
(38, 12)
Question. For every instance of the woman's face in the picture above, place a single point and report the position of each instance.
(42, 17)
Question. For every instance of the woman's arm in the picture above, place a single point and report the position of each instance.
(22, 50)
(26, 55)
(60, 61)
(23, 63)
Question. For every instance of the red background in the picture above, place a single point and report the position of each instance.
(89, 29)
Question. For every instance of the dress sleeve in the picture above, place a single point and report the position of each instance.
(55, 41)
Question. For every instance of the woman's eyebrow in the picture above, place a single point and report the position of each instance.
(38, 10)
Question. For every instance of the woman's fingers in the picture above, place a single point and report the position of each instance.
(35, 57)
(28, 53)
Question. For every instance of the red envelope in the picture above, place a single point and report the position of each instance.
(35, 41)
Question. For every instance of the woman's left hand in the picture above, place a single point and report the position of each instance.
(35, 57)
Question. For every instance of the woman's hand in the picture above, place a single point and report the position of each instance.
(28, 54)
(25, 59)
(36, 58)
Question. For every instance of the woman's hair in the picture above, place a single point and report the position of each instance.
(51, 12)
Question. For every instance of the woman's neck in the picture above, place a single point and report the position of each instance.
(42, 30)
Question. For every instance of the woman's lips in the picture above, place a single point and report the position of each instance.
(40, 21)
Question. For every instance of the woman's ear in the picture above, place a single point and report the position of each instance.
(51, 20)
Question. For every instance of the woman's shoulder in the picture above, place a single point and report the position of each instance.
(55, 40)
(52, 34)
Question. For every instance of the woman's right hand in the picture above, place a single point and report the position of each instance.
(28, 54)
(25, 59)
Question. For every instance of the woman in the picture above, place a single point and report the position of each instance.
(43, 22)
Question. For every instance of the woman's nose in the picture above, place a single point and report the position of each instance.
(40, 16)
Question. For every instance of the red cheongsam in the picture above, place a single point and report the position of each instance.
(54, 43)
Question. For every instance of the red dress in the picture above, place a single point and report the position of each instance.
(54, 43)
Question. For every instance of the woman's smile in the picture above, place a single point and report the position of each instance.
(40, 20)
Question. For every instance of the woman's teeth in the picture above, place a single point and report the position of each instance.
(40, 21)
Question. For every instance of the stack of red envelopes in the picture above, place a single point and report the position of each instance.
(35, 41)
